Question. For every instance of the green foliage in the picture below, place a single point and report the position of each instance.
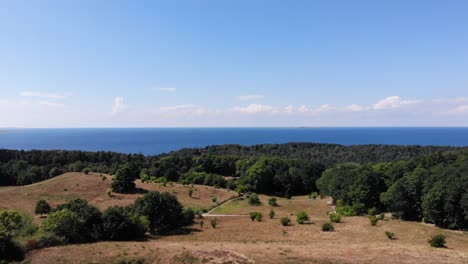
(382, 216)
(86, 170)
(117, 224)
(9, 249)
(12, 222)
(42, 207)
(272, 214)
(345, 210)
(437, 241)
(273, 201)
(328, 227)
(214, 223)
(372, 211)
(163, 211)
(335, 218)
(285, 221)
(313, 195)
(390, 235)
(302, 217)
(124, 180)
(190, 192)
(254, 200)
(256, 216)
(63, 223)
(373, 220)
(204, 178)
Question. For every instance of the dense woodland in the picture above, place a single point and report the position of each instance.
(414, 182)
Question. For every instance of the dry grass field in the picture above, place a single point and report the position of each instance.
(237, 239)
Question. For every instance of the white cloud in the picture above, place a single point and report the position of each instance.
(355, 108)
(42, 95)
(182, 110)
(178, 107)
(460, 110)
(254, 108)
(167, 89)
(250, 97)
(392, 102)
(118, 105)
(51, 104)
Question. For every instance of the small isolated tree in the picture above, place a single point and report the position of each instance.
(273, 202)
(335, 218)
(437, 241)
(302, 217)
(254, 200)
(123, 181)
(272, 214)
(86, 170)
(256, 216)
(214, 223)
(373, 220)
(328, 227)
(190, 192)
(201, 224)
(313, 195)
(390, 235)
(42, 207)
(285, 221)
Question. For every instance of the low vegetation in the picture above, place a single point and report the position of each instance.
(302, 217)
(437, 241)
(328, 227)
(335, 218)
(285, 221)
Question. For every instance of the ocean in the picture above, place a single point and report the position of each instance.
(151, 141)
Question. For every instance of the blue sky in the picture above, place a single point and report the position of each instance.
(233, 63)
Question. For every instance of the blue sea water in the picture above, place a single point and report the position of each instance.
(151, 141)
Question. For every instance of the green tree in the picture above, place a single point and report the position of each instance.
(254, 200)
(272, 214)
(335, 218)
(272, 201)
(42, 207)
(437, 241)
(124, 180)
(63, 223)
(117, 224)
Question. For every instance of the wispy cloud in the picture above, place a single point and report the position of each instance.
(394, 102)
(355, 108)
(51, 104)
(250, 97)
(42, 95)
(119, 105)
(254, 108)
(460, 110)
(167, 89)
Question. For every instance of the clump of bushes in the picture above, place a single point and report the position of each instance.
(390, 235)
(328, 227)
(273, 201)
(373, 220)
(302, 217)
(437, 241)
(42, 207)
(124, 180)
(256, 216)
(285, 221)
(335, 218)
(254, 200)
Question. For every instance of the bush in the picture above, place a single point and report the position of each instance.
(328, 227)
(390, 235)
(63, 223)
(124, 180)
(86, 170)
(437, 241)
(345, 210)
(272, 214)
(188, 214)
(190, 192)
(302, 217)
(214, 222)
(373, 220)
(272, 201)
(254, 200)
(256, 216)
(313, 195)
(372, 211)
(9, 249)
(42, 207)
(285, 221)
(118, 225)
(381, 216)
(335, 218)
(163, 210)
(50, 240)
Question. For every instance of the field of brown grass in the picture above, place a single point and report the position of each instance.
(239, 240)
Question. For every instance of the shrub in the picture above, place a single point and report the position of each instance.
(254, 200)
(86, 170)
(188, 214)
(272, 201)
(190, 192)
(437, 241)
(163, 210)
(302, 217)
(118, 225)
(63, 223)
(328, 227)
(272, 214)
(335, 218)
(11, 223)
(50, 240)
(345, 210)
(313, 195)
(373, 220)
(124, 180)
(381, 216)
(285, 221)
(42, 207)
(256, 216)
(9, 249)
(214, 222)
(372, 211)
(390, 235)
